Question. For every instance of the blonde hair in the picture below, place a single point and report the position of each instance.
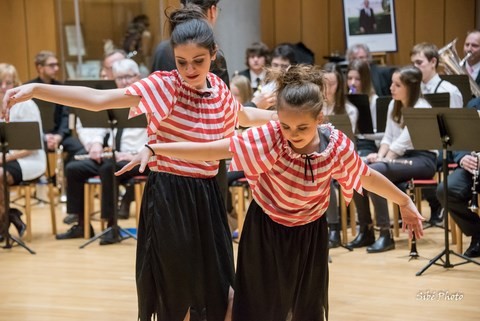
(9, 70)
(244, 87)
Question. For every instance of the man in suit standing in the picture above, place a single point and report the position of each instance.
(367, 19)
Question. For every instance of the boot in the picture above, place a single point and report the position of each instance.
(333, 235)
(365, 237)
(384, 243)
(14, 216)
(124, 208)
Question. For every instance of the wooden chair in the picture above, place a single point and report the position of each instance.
(241, 194)
(25, 190)
(343, 217)
(139, 183)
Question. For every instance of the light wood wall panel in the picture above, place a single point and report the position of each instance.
(437, 21)
(14, 44)
(315, 26)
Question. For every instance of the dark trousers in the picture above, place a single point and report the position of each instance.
(78, 172)
(459, 194)
(423, 167)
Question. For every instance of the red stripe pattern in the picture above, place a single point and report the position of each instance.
(177, 112)
(276, 173)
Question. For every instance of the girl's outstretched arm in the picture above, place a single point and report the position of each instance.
(208, 151)
(251, 116)
(379, 184)
(74, 96)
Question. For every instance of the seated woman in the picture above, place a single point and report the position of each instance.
(336, 104)
(396, 144)
(21, 165)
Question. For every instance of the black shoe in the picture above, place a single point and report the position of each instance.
(436, 217)
(474, 248)
(2, 238)
(109, 238)
(123, 212)
(70, 219)
(365, 237)
(384, 243)
(14, 216)
(75, 232)
(333, 236)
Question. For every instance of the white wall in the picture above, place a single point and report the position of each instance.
(238, 25)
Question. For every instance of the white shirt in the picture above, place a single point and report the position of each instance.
(456, 98)
(473, 70)
(398, 138)
(35, 164)
(254, 78)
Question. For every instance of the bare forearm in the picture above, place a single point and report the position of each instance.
(208, 151)
(85, 98)
(251, 117)
(379, 184)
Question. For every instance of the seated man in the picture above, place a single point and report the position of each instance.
(460, 184)
(127, 140)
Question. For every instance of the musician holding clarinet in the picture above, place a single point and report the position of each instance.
(395, 159)
(99, 163)
(463, 188)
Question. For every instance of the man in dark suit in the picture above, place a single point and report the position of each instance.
(47, 66)
(460, 184)
(367, 21)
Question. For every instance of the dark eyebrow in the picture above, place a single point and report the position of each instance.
(199, 56)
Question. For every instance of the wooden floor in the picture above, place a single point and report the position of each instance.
(62, 282)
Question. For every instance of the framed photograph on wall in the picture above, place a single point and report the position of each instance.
(371, 22)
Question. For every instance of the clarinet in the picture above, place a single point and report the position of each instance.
(413, 245)
(473, 206)
(390, 161)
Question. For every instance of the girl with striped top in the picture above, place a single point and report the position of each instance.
(184, 266)
(289, 163)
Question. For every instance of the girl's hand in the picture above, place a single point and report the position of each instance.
(412, 220)
(141, 158)
(372, 157)
(16, 95)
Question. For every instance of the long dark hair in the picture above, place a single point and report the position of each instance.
(189, 25)
(411, 78)
(340, 98)
(302, 87)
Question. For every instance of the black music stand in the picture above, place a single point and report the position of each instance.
(438, 100)
(456, 127)
(382, 112)
(364, 123)
(112, 119)
(16, 135)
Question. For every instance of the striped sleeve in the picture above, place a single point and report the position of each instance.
(232, 107)
(349, 167)
(255, 150)
(157, 93)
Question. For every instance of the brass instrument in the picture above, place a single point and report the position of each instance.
(473, 205)
(454, 66)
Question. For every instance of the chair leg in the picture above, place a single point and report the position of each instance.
(138, 188)
(28, 211)
(239, 193)
(453, 229)
(53, 216)
(343, 218)
(396, 215)
(86, 210)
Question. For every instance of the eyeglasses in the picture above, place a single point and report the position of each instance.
(125, 77)
(52, 65)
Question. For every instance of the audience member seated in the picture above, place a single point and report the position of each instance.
(336, 104)
(47, 66)
(359, 82)
(256, 59)
(460, 183)
(128, 141)
(381, 75)
(425, 57)
(396, 145)
(21, 165)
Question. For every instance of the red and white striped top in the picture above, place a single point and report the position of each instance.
(281, 180)
(177, 112)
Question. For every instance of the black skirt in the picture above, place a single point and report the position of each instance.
(281, 270)
(184, 250)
